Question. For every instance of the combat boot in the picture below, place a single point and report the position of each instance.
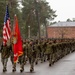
(36, 62)
(4, 69)
(31, 69)
(41, 61)
(14, 69)
(50, 64)
(22, 69)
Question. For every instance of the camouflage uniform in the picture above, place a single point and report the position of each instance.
(25, 51)
(36, 47)
(5, 53)
(43, 50)
(22, 59)
(31, 55)
(39, 50)
(12, 57)
(49, 52)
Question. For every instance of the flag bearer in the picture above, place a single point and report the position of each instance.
(5, 53)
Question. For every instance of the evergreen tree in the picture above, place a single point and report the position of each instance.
(2, 14)
(34, 12)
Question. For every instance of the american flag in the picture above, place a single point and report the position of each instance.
(6, 27)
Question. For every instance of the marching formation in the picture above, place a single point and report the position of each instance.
(30, 50)
(35, 51)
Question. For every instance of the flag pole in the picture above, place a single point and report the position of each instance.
(6, 27)
(7, 2)
(17, 42)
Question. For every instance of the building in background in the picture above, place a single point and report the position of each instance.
(62, 30)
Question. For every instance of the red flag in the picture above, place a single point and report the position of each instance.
(6, 27)
(17, 41)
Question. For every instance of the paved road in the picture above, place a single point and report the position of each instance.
(65, 66)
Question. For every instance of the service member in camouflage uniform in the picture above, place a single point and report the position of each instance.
(5, 53)
(31, 55)
(12, 55)
(49, 52)
(36, 47)
(22, 59)
(39, 50)
(25, 50)
(12, 61)
(43, 49)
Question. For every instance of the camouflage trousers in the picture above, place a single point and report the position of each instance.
(50, 59)
(4, 62)
(43, 57)
(37, 58)
(21, 61)
(12, 61)
(31, 62)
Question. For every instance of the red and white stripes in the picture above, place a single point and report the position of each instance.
(6, 31)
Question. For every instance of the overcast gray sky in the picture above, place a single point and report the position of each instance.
(64, 9)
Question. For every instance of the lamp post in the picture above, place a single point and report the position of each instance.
(29, 32)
